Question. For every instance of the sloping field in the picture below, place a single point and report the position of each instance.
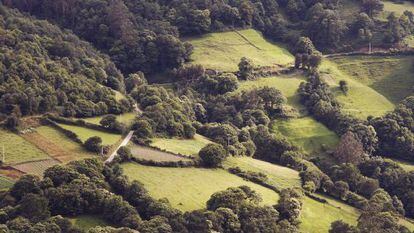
(57, 145)
(306, 133)
(287, 84)
(190, 188)
(18, 150)
(85, 133)
(125, 118)
(223, 51)
(37, 167)
(279, 176)
(85, 222)
(147, 153)
(315, 216)
(361, 100)
(189, 147)
(397, 8)
(5, 183)
(391, 76)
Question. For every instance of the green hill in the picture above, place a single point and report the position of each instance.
(190, 188)
(361, 100)
(223, 51)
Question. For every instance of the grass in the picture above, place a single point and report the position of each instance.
(189, 188)
(85, 222)
(279, 176)
(125, 118)
(147, 153)
(287, 84)
(397, 8)
(5, 183)
(223, 51)
(62, 147)
(306, 133)
(85, 133)
(18, 150)
(391, 76)
(189, 147)
(361, 101)
(315, 216)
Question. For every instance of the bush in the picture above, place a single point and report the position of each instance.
(93, 144)
(212, 155)
(125, 153)
(143, 129)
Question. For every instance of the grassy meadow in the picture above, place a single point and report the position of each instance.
(189, 147)
(223, 51)
(85, 133)
(311, 218)
(279, 176)
(85, 222)
(5, 183)
(18, 150)
(287, 84)
(391, 76)
(397, 8)
(307, 133)
(62, 147)
(190, 188)
(361, 100)
(125, 118)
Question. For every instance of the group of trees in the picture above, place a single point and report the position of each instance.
(43, 69)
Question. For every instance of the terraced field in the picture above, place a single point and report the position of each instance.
(147, 153)
(85, 133)
(190, 188)
(57, 145)
(18, 150)
(189, 147)
(223, 51)
(308, 134)
(37, 167)
(361, 100)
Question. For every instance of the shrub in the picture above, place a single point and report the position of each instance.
(212, 155)
(93, 144)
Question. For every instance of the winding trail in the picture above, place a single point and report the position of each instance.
(126, 139)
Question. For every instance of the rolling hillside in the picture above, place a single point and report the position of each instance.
(223, 51)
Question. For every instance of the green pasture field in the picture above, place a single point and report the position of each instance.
(190, 188)
(313, 137)
(189, 147)
(18, 150)
(85, 133)
(223, 51)
(361, 100)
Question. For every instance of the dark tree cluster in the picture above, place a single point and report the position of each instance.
(395, 131)
(136, 34)
(165, 113)
(43, 69)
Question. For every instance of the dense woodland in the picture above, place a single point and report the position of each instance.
(68, 58)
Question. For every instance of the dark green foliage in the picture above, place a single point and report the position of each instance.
(246, 68)
(343, 85)
(217, 84)
(43, 69)
(290, 204)
(167, 114)
(233, 198)
(212, 155)
(93, 144)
